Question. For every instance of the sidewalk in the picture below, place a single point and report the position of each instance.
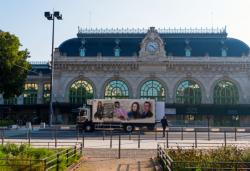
(128, 144)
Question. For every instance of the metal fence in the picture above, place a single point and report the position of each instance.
(167, 163)
(57, 161)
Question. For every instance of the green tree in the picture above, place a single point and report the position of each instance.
(13, 65)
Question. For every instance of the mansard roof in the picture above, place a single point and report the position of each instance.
(40, 68)
(201, 42)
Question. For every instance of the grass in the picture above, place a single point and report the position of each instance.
(24, 157)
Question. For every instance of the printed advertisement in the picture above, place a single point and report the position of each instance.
(123, 110)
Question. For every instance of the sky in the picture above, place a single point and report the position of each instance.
(25, 18)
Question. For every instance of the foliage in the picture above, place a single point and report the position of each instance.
(13, 65)
(6, 122)
(223, 157)
(24, 158)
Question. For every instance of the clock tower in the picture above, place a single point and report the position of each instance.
(152, 46)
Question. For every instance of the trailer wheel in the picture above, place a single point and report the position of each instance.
(89, 128)
(128, 128)
(151, 127)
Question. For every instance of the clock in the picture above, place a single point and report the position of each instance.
(152, 46)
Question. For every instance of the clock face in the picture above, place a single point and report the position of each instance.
(152, 46)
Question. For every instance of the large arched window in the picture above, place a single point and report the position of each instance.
(153, 90)
(30, 93)
(80, 91)
(188, 92)
(225, 92)
(116, 89)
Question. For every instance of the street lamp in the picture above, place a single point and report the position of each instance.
(52, 16)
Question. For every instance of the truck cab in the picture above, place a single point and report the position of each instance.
(83, 120)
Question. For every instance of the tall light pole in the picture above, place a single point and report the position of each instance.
(52, 16)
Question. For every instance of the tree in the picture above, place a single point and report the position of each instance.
(14, 66)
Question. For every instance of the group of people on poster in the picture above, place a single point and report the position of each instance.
(117, 111)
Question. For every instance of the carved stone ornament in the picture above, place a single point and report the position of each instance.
(152, 46)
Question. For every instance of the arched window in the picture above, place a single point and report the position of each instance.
(116, 89)
(46, 93)
(30, 93)
(80, 91)
(225, 92)
(153, 90)
(188, 92)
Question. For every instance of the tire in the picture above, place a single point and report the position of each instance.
(89, 128)
(151, 127)
(128, 128)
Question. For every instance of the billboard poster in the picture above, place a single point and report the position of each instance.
(123, 110)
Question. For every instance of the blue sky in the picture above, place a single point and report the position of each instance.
(25, 18)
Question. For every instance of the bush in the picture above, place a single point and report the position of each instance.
(24, 158)
(208, 158)
(6, 122)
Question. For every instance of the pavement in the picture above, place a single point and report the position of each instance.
(184, 137)
(111, 164)
(128, 144)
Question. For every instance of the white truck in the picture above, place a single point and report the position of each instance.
(117, 113)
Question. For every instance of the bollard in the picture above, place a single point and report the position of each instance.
(52, 134)
(111, 137)
(77, 134)
(29, 136)
(75, 150)
(225, 138)
(195, 136)
(55, 138)
(235, 134)
(208, 134)
(119, 147)
(181, 133)
(155, 133)
(103, 135)
(139, 138)
(83, 138)
(81, 149)
(167, 138)
(2, 136)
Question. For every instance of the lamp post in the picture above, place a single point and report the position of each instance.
(52, 16)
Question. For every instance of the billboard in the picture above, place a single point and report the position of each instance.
(123, 110)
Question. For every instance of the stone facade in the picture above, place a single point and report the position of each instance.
(152, 62)
(168, 70)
